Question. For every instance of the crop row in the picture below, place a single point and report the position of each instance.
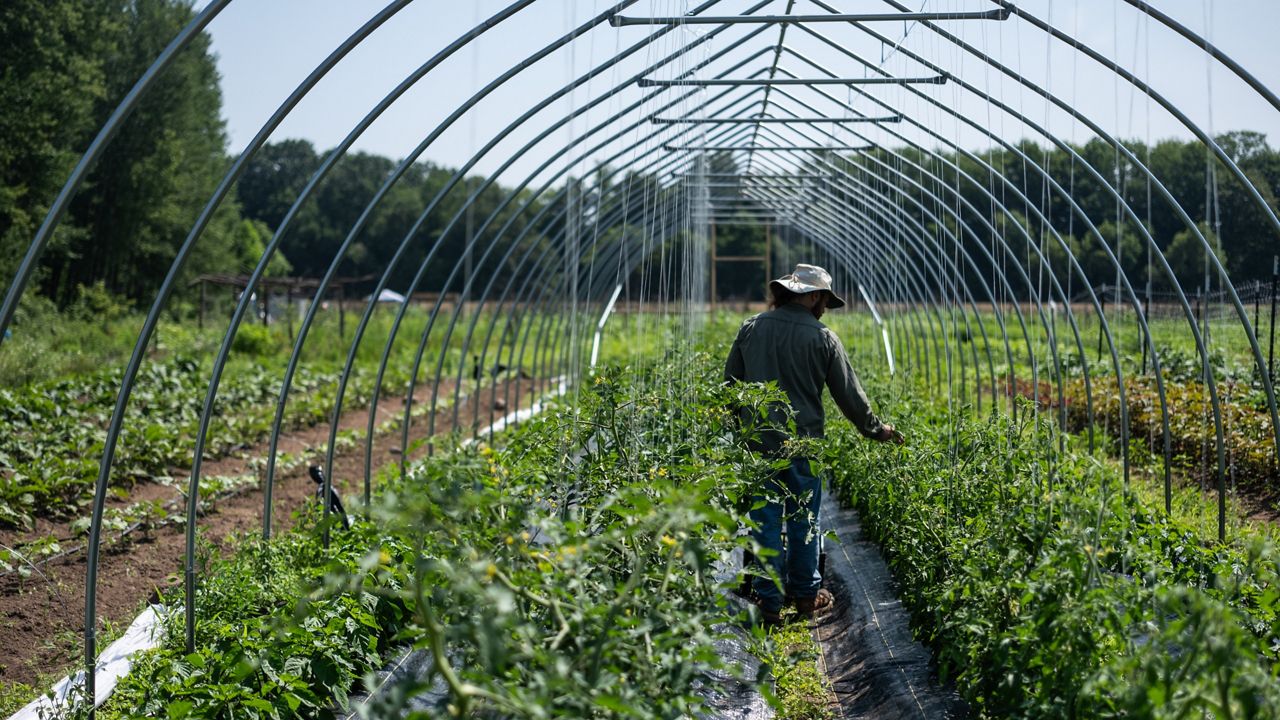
(49, 455)
(1249, 443)
(569, 571)
(1048, 589)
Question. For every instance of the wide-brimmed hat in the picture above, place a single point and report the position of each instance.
(807, 279)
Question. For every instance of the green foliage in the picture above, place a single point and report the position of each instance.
(541, 583)
(54, 77)
(1186, 255)
(582, 585)
(256, 340)
(68, 65)
(49, 458)
(801, 691)
(283, 632)
(1049, 590)
(1247, 434)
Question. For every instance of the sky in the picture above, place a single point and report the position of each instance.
(266, 47)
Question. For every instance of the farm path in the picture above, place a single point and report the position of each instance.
(876, 668)
(42, 617)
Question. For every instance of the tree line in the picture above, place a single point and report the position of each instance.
(68, 63)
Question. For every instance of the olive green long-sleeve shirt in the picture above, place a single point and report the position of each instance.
(789, 345)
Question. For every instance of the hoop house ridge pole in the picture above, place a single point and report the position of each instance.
(100, 143)
(622, 20)
(750, 82)
(765, 148)
(778, 120)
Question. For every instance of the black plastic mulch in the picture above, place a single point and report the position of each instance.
(877, 670)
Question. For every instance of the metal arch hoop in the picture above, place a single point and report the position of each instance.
(821, 228)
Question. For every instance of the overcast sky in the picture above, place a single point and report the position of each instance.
(266, 47)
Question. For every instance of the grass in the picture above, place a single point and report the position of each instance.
(800, 687)
(50, 345)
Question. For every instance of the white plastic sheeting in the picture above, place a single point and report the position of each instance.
(144, 634)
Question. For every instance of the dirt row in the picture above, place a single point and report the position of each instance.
(42, 616)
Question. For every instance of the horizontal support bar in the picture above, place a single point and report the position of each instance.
(779, 148)
(750, 121)
(759, 210)
(770, 185)
(735, 82)
(623, 20)
(794, 200)
(756, 176)
(739, 258)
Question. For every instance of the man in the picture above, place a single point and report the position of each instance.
(789, 345)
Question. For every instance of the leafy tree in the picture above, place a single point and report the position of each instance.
(274, 177)
(66, 65)
(1186, 256)
(52, 80)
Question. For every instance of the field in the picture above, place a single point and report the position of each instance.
(572, 563)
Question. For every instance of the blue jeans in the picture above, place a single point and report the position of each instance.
(792, 495)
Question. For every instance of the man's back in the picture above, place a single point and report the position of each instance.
(789, 346)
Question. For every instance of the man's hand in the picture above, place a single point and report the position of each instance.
(888, 434)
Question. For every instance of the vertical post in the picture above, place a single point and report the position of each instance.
(1146, 316)
(768, 259)
(1102, 308)
(1271, 354)
(266, 302)
(200, 317)
(1204, 379)
(288, 307)
(713, 266)
(342, 313)
(1257, 304)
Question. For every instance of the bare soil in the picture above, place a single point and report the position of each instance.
(42, 617)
